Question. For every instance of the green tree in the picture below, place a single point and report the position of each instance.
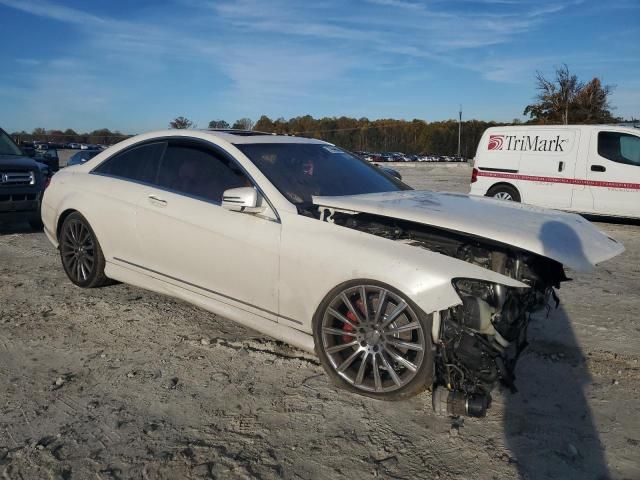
(264, 124)
(218, 124)
(181, 123)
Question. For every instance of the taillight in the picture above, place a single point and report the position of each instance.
(474, 175)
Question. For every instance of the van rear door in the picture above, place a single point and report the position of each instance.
(613, 173)
(547, 166)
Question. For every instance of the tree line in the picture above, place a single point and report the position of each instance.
(100, 136)
(562, 99)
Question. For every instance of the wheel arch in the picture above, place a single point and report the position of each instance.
(359, 281)
(504, 184)
(61, 218)
(420, 310)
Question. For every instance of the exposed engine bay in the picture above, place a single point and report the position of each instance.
(479, 341)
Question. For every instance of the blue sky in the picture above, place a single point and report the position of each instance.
(135, 65)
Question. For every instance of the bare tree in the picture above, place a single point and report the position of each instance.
(243, 124)
(565, 99)
(592, 102)
(181, 123)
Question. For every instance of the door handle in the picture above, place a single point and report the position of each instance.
(159, 201)
(598, 168)
(560, 166)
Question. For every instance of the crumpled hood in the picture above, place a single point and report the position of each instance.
(565, 237)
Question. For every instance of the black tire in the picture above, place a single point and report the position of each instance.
(423, 376)
(504, 192)
(81, 254)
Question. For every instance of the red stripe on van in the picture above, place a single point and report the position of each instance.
(572, 181)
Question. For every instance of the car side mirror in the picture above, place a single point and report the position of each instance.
(243, 199)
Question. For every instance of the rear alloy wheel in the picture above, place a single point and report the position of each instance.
(504, 192)
(374, 342)
(81, 254)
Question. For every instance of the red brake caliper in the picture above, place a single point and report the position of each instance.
(348, 328)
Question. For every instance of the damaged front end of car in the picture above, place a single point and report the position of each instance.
(479, 341)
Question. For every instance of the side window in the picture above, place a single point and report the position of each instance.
(199, 172)
(619, 147)
(138, 163)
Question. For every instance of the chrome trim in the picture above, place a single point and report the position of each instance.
(208, 290)
(26, 177)
(503, 170)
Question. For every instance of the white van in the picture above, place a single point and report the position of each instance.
(593, 169)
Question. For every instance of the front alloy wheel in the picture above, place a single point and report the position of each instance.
(373, 341)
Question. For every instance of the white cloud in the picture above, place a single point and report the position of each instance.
(278, 51)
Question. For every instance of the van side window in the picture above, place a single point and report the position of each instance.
(619, 147)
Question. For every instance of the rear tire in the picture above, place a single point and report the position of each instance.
(504, 192)
(80, 252)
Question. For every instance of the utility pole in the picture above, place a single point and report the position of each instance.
(459, 128)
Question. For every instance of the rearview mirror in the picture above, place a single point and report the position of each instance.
(243, 199)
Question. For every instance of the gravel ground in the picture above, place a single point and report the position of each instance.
(122, 383)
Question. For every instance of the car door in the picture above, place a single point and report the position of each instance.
(613, 173)
(193, 243)
(116, 186)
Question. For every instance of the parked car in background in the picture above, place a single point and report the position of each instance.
(395, 290)
(591, 169)
(82, 156)
(22, 181)
(49, 157)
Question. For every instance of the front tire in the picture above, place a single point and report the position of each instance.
(504, 192)
(374, 341)
(80, 252)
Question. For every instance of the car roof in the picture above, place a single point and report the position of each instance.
(597, 126)
(251, 136)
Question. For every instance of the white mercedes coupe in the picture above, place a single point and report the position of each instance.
(395, 290)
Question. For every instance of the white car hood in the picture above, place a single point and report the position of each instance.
(565, 237)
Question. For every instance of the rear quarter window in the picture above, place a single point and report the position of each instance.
(139, 163)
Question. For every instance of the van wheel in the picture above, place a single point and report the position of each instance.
(504, 192)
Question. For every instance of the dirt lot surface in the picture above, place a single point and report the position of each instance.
(122, 383)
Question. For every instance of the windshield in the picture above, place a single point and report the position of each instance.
(7, 147)
(300, 170)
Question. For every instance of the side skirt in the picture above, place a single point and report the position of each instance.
(280, 331)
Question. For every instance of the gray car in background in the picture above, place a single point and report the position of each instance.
(82, 156)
